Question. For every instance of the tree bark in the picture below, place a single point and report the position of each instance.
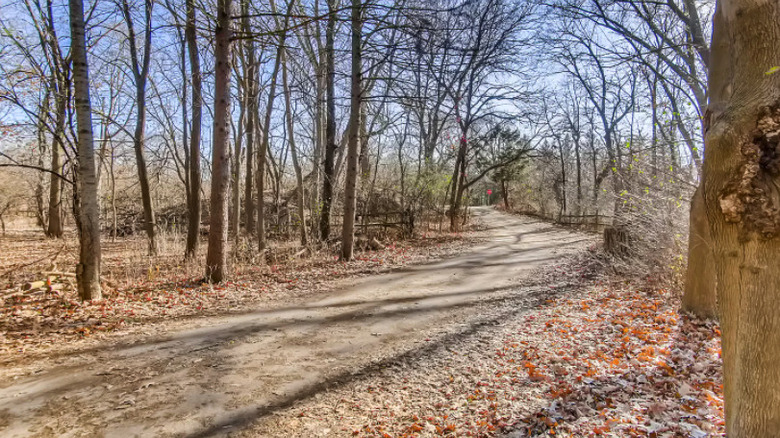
(699, 296)
(578, 163)
(353, 145)
(54, 228)
(505, 195)
(85, 192)
(742, 198)
(319, 145)
(216, 257)
(194, 208)
(458, 176)
(330, 123)
(564, 208)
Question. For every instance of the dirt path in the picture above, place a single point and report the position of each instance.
(216, 379)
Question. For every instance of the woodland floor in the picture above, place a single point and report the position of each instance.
(518, 331)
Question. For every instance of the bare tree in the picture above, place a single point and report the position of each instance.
(193, 189)
(483, 39)
(331, 146)
(350, 192)
(140, 68)
(251, 95)
(262, 152)
(85, 193)
(289, 113)
(216, 257)
(672, 34)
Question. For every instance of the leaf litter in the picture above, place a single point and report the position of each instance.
(597, 357)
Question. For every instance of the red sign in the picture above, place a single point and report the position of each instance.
(490, 192)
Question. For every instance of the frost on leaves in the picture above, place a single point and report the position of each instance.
(752, 197)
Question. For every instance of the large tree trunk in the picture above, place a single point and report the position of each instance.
(85, 192)
(353, 145)
(741, 177)
(699, 297)
(193, 209)
(328, 174)
(216, 256)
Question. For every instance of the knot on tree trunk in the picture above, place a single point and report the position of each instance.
(751, 198)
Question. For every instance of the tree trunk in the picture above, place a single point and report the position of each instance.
(578, 163)
(505, 195)
(741, 195)
(564, 209)
(263, 150)
(353, 146)
(249, 176)
(216, 257)
(54, 228)
(185, 139)
(251, 117)
(294, 152)
(700, 297)
(40, 217)
(85, 191)
(143, 174)
(140, 75)
(330, 123)
(113, 198)
(193, 209)
(458, 176)
(319, 145)
(616, 240)
(235, 205)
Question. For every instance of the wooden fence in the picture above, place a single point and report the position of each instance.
(589, 222)
(401, 221)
